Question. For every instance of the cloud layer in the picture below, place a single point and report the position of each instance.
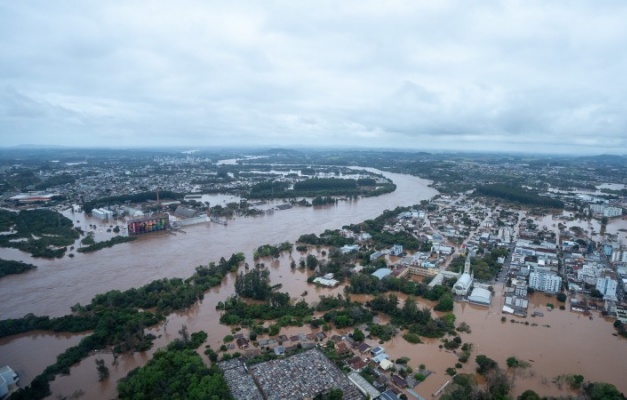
(516, 75)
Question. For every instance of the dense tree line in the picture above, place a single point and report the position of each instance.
(30, 322)
(106, 243)
(320, 187)
(321, 184)
(366, 182)
(277, 307)
(10, 267)
(352, 314)
(267, 189)
(416, 321)
(327, 238)
(518, 194)
(369, 284)
(88, 206)
(254, 284)
(175, 373)
(384, 239)
(321, 201)
(268, 250)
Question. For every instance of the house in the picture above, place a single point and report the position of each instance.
(342, 348)
(349, 248)
(398, 381)
(364, 237)
(380, 357)
(386, 364)
(375, 255)
(377, 350)
(363, 348)
(356, 363)
(242, 343)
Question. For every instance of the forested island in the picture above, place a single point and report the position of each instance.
(10, 267)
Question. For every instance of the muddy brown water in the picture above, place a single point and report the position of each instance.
(573, 343)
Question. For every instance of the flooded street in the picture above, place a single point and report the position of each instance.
(571, 343)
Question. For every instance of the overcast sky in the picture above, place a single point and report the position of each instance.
(513, 75)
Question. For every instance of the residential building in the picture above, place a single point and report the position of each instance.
(396, 250)
(348, 248)
(607, 286)
(375, 255)
(545, 281)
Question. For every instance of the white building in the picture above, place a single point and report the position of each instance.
(619, 256)
(349, 248)
(607, 286)
(545, 281)
(612, 212)
(102, 214)
(440, 249)
(462, 286)
(8, 378)
(606, 211)
(396, 250)
(480, 296)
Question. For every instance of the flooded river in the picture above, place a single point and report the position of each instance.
(572, 343)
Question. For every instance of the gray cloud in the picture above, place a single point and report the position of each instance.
(530, 76)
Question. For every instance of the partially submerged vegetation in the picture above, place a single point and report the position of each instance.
(39, 232)
(118, 319)
(10, 267)
(106, 243)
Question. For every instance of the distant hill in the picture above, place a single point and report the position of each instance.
(279, 151)
(609, 159)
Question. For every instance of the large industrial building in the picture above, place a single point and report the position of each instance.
(153, 223)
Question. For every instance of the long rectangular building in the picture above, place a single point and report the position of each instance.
(153, 223)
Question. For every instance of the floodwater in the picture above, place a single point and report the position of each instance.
(572, 344)
(58, 284)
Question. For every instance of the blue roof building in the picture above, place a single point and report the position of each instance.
(382, 273)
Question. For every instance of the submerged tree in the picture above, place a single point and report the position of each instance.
(103, 370)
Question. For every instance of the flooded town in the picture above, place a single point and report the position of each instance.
(376, 283)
